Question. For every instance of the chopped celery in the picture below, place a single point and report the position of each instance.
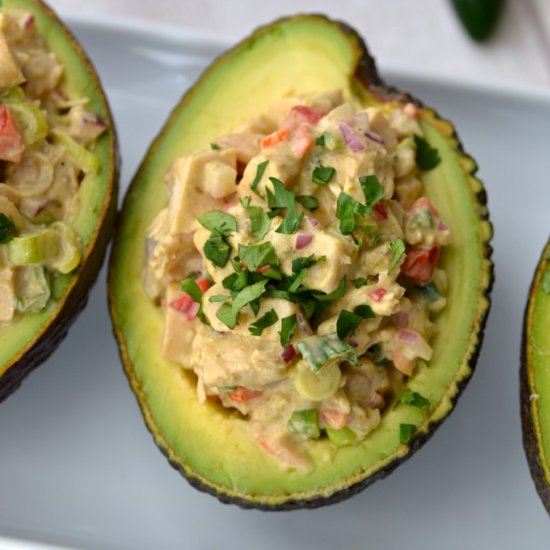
(323, 350)
(33, 248)
(12, 94)
(33, 288)
(57, 247)
(84, 159)
(68, 256)
(341, 437)
(304, 422)
(316, 386)
(31, 121)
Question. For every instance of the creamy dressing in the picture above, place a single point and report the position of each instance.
(296, 263)
(45, 142)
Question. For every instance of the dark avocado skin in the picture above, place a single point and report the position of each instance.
(367, 74)
(530, 444)
(74, 302)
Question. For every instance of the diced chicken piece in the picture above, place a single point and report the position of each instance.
(403, 121)
(191, 192)
(246, 144)
(282, 164)
(362, 421)
(226, 359)
(179, 332)
(326, 274)
(407, 191)
(8, 298)
(379, 124)
(404, 159)
(10, 73)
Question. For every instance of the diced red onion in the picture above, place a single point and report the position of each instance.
(289, 353)
(373, 136)
(312, 221)
(353, 343)
(401, 319)
(28, 23)
(352, 141)
(380, 211)
(304, 325)
(302, 240)
(409, 336)
(442, 226)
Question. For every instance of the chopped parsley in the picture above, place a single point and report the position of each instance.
(307, 201)
(413, 398)
(228, 314)
(214, 147)
(189, 286)
(219, 221)
(259, 175)
(7, 229)
(320, 140)
(397, 247)
(217, 249)
(372, 189)
(322, 174)
(257, 255)
(406, 432)
(283, 198)
(265, 321)
(348, 321)
(346, 208)
(359, 282)
(335, 294)
(288, 326)
(219, 298)
(259, 222)
(426, 157)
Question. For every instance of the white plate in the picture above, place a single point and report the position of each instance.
(78, 467)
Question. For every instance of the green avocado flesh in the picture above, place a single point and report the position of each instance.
(210, 446)
(32, 337)
(536, 379)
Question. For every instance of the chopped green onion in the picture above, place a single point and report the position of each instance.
(84, 159)
(305, 422)
(397, 247)
(341, 437)
(414, 399)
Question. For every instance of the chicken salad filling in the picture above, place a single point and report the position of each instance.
(296, 264)
(46, 141)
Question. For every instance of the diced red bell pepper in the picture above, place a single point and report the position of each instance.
(11, 140)
(203, 284)
(242, 394)
(423, 203)
(302, 142)
(309, 114)
(273, 139)
(380, 211)
(263, 268)
(420, 263)
(333, 418)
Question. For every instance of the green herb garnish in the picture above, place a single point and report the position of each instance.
(288, 326)
(265, 321)
(307, 201)
(406, 432)
(217, 249)
(189, 286)
(219, 298)
(335, 294)
(219, 221)
(359, 282)
(372, 189)
(322, 174)
(283, 198)
(259, 175)
(228, 314)
(346, 208)
(348, 321)
(214, 147)
(320, 140)
(7, 229)
(258, 255)
(397, 247)
(259, 222)
(426, 157)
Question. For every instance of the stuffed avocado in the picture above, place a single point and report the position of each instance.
(57, 184)
(535, 383)
(284, 309)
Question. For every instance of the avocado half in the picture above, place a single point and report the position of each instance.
(210, 446)
(535, 379)
(31, 339)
